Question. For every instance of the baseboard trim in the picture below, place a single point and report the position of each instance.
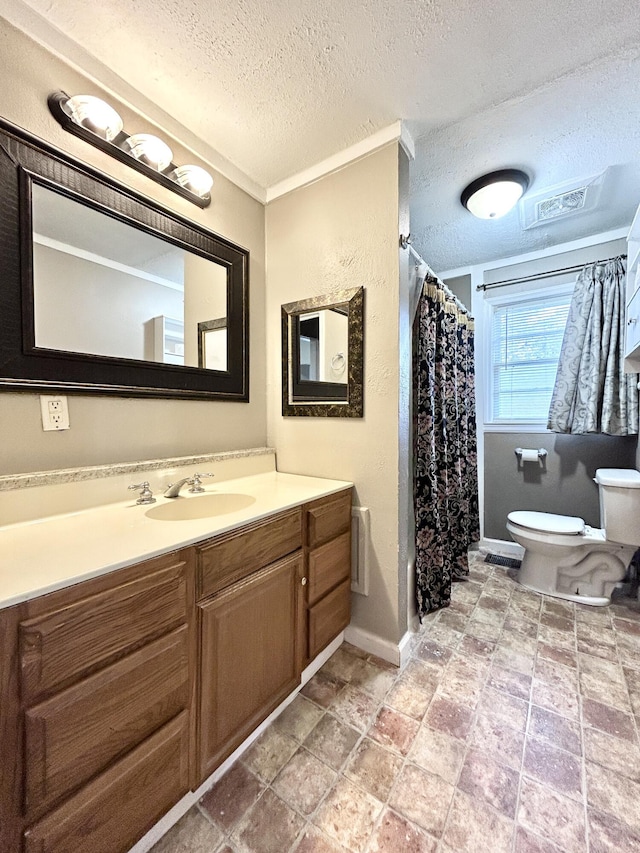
(500, 546)
(374, 644)
(182, 806)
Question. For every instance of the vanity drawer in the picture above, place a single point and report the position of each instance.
(59, 647)
(234, 556)
(328, 617)
(111, 813)
(328, 565)
(77, 733)
(328, 518)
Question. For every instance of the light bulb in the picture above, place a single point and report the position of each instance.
(193, 178)
(150, 150)
(94, 114)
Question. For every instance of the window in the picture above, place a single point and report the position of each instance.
(526, 336)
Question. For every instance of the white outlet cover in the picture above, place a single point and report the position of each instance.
(54, 417)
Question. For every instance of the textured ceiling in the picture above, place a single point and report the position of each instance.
(276, 87)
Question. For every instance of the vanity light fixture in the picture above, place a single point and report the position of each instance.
(495, 194)
(96, 122)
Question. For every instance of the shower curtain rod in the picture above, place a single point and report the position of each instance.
(539, 275)
(405, 242)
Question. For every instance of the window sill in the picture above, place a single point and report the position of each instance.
(517, 428)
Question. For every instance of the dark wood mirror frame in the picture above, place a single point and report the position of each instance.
(324, 399)
(24, 159)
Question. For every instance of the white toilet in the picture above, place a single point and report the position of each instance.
(566, 558)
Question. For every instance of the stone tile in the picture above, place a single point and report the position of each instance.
(449, 717)
(563, 702)
(373, 679)
(193, 833)
(303, 782)
(452, 619)
(487, 601)
(394, 730)
(609, 835)
(565, 609)
(424, 675)
(483, 630)
(593, 616)
(559, 639)
(616, 795)
(556, 675)
(374, 768)
(559, 623)
(298, 718)
(432, 653)
(270, 826)
(475, 646)
(516, 683)
(500, 741)
(395, 834)
(520, 625)
(331, 741)
(408, 698)
(314, 841)
(341, 665)
(603, 689)
(620, 756)
(422, 798)
(550, 815)
(348, 815)
(463, 680)
(467, 592)
(632, 677)
(443, 635)
(322, 688)
(489, 616)
(484, 778)
(471, 824)
(355, 707)
(504, 708)
(598, 649)
(608, 719)
(627, 627)
(269, 754)
(438, 753)
(555, 768)
(230, 798)
(629, 650)
(508, 659)
(554, 729)
(558, 655)
(350, 649)
(527, 842)
(601, 669)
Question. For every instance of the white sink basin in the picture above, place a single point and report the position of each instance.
(202, 506)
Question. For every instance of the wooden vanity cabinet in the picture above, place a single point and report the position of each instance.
(95, 719)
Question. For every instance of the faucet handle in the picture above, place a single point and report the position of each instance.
(196, 485)
(146, 495)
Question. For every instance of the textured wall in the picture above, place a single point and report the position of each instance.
(337, 233)
(105, 429)
(566, 486)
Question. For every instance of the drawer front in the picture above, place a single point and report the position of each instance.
(58, 648)
(233, 557)
(76, 734)
(111, 813)
(328, 617)
(328, 518)
(328, 565)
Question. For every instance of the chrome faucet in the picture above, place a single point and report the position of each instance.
(173, 489)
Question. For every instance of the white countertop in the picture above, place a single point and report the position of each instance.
(47, 554)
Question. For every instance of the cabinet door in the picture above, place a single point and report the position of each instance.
(249, 657)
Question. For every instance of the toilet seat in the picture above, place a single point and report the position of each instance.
(548, 522)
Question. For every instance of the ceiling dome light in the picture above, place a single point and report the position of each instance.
(495, 194)
(94, 114)
(151, 150)
(194, 178)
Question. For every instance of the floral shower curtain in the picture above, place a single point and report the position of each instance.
(592, 393)
(445, 445)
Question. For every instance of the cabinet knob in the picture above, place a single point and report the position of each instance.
(303, 581)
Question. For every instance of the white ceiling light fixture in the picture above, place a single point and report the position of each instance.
(495, 194)
(96, 122)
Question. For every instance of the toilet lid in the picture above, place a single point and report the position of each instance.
(547, 522)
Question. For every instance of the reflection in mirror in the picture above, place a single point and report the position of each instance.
(212, 344)
(323, 343)
(322, 355)
(131, 295)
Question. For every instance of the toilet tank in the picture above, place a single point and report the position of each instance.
(620, 504)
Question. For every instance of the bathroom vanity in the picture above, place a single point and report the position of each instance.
(124, 691)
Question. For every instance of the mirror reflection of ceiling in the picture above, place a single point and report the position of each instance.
(537, 84)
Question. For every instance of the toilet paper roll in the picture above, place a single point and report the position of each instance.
(528, 454)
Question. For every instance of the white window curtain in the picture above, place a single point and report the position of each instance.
(592, 393)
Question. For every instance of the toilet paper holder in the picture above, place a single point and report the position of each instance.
(527, 454)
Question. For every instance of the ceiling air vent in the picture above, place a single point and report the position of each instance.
(559, 202)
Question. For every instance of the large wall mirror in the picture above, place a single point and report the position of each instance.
(322, 356)
(104, 291)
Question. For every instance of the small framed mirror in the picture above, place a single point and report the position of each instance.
(322, 356)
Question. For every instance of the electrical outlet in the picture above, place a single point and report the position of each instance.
(55, 413)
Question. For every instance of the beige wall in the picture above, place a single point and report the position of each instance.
(337, 233)
(104, 429)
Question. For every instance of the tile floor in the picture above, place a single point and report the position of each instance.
(513, 728)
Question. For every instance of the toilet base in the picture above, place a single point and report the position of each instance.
(593, 600)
